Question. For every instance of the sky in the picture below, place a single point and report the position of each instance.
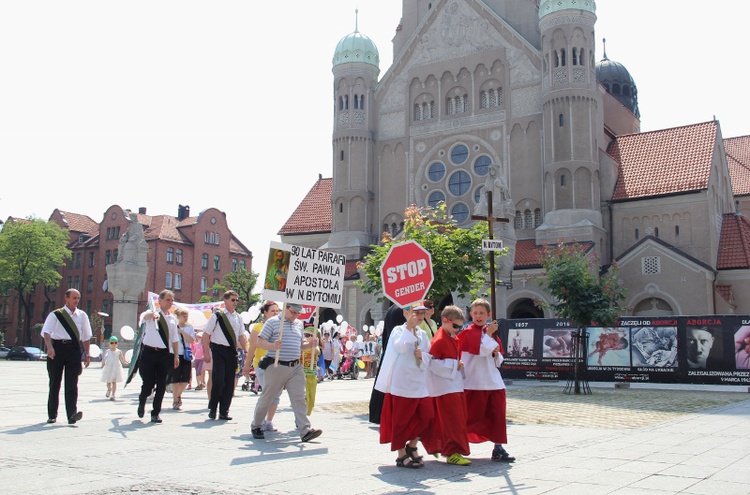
(229, 104)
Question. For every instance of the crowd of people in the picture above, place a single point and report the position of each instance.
(438, 385)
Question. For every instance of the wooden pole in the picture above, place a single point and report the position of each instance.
(491, 223)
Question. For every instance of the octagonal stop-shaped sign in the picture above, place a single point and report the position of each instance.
(406, 273)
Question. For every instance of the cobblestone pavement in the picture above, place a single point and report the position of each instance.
(642, 440)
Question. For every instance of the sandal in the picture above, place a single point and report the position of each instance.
(401, 462)
(411, 452)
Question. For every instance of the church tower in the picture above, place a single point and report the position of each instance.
(572, 122)
(355, 73)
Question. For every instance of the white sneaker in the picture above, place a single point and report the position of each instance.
(112, 398)
(268, 426)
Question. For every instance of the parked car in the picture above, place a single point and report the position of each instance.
(26, 354)
(4, 352)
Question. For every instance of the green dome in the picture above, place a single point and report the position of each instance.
(356, 47)
(550, 6)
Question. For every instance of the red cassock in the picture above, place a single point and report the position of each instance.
(448, 434)
(483, 386)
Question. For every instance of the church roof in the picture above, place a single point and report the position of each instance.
(549, 6)
(356, 47)
(666, 161)
(734, 244)
(314, 212)
(738, 158)
(529, 253)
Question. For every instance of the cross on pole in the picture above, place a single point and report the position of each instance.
(491, 224)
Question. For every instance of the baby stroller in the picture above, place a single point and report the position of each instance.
(250, 385)
(349, 368)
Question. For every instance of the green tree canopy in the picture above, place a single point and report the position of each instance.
(242, 282)
(31, 252)
(458, 263)
(581, 294)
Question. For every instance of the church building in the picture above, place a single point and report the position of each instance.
(509, 97)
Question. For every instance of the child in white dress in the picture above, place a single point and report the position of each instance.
(113, 362)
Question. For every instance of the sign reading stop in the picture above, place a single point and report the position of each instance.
(406, 273)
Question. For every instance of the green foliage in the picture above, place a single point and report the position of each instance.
(458, 263)
(242, 282)
(31, 252)
(581, 295)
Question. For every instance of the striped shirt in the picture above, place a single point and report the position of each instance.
(291, 338)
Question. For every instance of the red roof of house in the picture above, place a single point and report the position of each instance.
(734, 244)
(738, 158)
(529, 253)
(80, 223)
(664, 162)
(314, 212)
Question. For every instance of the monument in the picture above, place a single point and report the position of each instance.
(126, 278)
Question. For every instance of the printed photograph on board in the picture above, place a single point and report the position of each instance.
(608, 347)
(705, 348)
(742, 347)
(654, 347)
(277, 270)
(521, 343)
(557, 343)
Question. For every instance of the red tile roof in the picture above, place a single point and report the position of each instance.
(738, 158)
(725, 291)
(80, 223)
(734, 244)
(314, 212)
(529, 253)
(664, 162)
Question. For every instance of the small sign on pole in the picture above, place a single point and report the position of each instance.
(492, 245)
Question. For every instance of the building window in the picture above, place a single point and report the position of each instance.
(91, 259)
(242, 264)
(436, 172)
(105, 306)
(204, 261)
(203, 285)
(88, 307)
(177, 281)
(78, 260)
(459, 183)
(114, 256)
(77, 283)
(637, 234)
(178, 257)
(234, 264)
(460, 212)
(562, 180)
(170, 255)
(537, 217)
(562, 120)
(70, 282)
(217, 263)
(108, 257)
(656, 231)
(435, 199)
(677, 231)
(168, 281)
(651, 265)
(528, 221)
(518, 223)
(482, 165)
(90, 283)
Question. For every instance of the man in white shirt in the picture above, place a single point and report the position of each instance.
(224, 331)
(66, 333)
(159, 334)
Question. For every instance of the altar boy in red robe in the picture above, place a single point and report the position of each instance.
(445, 384)
(482, 355)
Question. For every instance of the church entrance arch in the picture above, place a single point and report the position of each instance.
(653, 306)
(524, 308)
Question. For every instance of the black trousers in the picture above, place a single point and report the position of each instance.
(68, 361)
(154, 370)
(224, 360)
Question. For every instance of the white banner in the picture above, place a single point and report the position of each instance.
(301, 275)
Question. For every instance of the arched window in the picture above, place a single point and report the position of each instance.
(537, 217)
(528, 221)
(581, 57)
(557, 59)
(562, 120)
(518, 224)
(637, 234)
(677, 231)
(656, 231)
(615, 89)
(574, 55)
(562, 57)
(562, 180)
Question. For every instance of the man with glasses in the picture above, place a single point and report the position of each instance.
(223, 333)
(287, 372)
(159, 334)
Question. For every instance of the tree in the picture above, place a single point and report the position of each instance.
(458, 263)
(581, 294)
(243, 283)
(31, 252)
